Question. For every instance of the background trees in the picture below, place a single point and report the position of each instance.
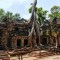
(40, 14)
(2, 13)
(8, 15)
(55, 12)
(16, 16)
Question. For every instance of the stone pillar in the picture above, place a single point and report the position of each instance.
(14, 42)
(59, 40)
(51, 40)
(35, 40)
(47, 39)
(29, 41)
(56, 41)
(22, 42)
(4, 39)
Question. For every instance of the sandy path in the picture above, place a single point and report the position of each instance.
(35, 56)
(55, 57)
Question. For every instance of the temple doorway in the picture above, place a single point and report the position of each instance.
(9, 42)
(18, 42)
(44, 40)
(37, 41)
(25, 42)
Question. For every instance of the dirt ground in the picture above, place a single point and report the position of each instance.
(55, 57)
(35, 56)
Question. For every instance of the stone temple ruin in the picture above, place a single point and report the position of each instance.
(20, 33)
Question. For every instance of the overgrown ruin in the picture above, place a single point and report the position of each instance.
(21, 33)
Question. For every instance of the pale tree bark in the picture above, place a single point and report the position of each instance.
(33, 23)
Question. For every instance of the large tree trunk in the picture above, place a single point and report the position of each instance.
(33, 23)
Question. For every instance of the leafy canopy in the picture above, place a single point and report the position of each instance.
(4, 16)
(40, 14)
(55, 12)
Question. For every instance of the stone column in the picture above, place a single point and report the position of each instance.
(47, 39)
(29, 41)
(59, 40)
(35, 40)
(4, 39)
(56, 42)
(51, 40)
(22, 42)
(14, 42)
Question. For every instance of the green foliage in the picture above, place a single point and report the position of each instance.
(55, 9)
(1, 14)
(5, 16)
(30, 10)
(41, 14)
(55, 12)
(16, 16)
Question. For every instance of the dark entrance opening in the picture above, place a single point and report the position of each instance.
(19, 43)
(0, 41)
(54, 40)
(37, 41)
(25, 42)
(44, 41)
(9, 42)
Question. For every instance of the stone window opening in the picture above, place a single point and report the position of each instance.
(18, 43)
